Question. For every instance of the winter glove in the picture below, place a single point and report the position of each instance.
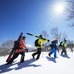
(26, 50)
(48, 40)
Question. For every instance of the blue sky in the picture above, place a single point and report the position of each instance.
(30, 16)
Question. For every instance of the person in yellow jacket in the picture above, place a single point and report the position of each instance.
(38, 43)
(64, 45)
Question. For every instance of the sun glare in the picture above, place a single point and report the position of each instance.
(59, 8)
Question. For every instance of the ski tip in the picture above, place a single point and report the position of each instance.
(27, 33)
(21, 32)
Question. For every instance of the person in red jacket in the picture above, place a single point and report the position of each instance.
(21, 48)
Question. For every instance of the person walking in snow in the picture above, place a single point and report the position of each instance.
(20, 49)
(38, 44)
(64, 45)
(53, 47)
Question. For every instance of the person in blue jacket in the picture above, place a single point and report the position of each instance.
(53, 46)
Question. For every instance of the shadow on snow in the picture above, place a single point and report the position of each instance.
(27, 63)
(51, 59)
(5, 68)
(65, 56)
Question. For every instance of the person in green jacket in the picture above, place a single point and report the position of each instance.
(64, 46)
(38, 43)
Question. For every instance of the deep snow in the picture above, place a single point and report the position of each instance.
(45, 65)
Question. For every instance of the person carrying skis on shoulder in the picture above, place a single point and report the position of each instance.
(53, 47)
(38, 43)
(20, 48)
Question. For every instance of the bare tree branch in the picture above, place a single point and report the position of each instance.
(44, 34)
(70, 10)
(56, 34)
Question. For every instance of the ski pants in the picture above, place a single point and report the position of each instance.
(53, 51)
(64, 51)
(38, 52)
(16, 55)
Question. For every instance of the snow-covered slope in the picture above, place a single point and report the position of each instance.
(45, 65)
(30, 48)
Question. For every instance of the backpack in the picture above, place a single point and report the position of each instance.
(60, 44)
(16, 44)
(36, 42)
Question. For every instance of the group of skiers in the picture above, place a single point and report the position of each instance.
(20, 47)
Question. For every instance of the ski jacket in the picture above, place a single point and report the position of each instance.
(21, 47)
(22, 44)
(64, 44)
(40, 42)
(53, 45)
